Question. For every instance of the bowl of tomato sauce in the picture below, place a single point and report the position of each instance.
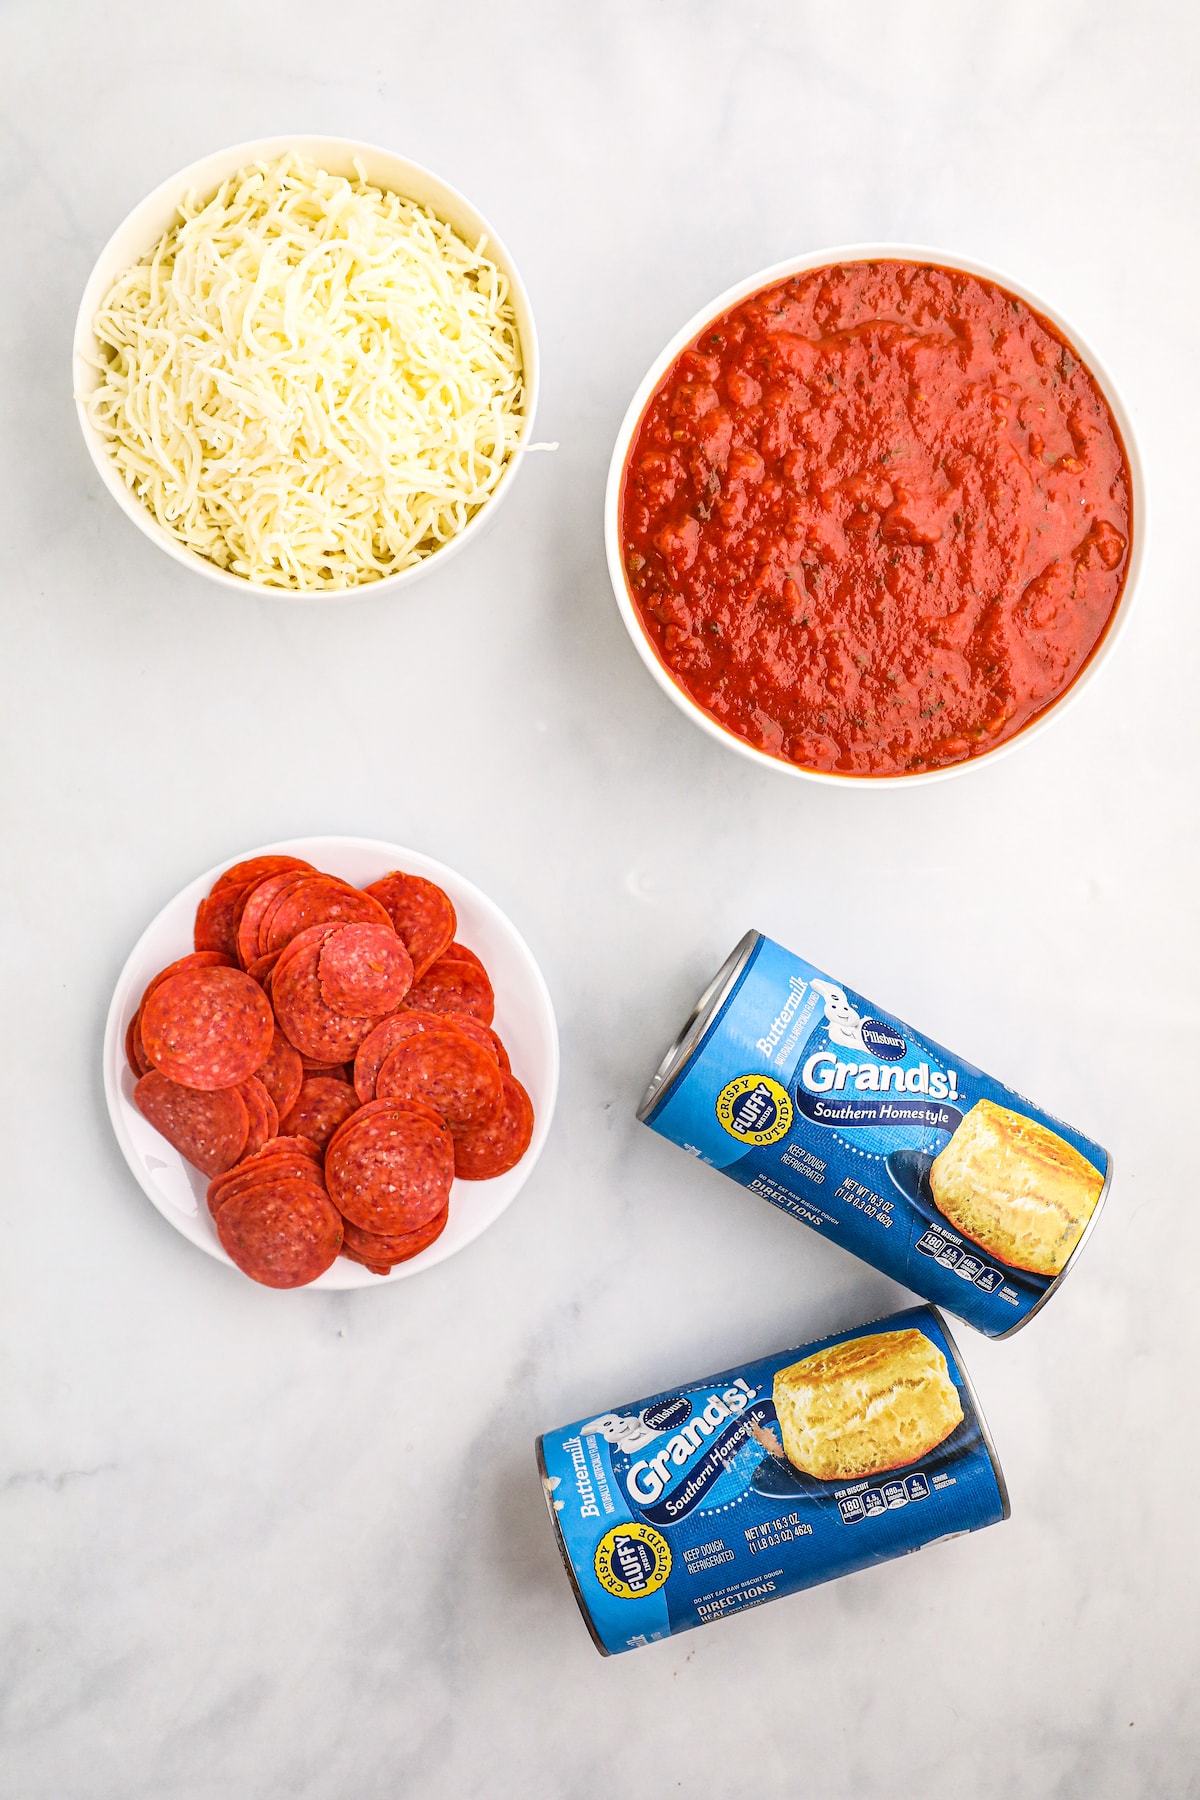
(876, 514)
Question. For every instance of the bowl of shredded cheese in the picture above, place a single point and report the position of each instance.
(306, 367)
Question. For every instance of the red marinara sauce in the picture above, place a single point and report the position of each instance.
(876, 518)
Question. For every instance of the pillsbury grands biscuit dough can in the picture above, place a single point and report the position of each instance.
(717, 1495)
(810, 1095)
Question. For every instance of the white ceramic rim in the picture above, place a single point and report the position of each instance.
(141, 229)
(486, 1199)
(742, 290)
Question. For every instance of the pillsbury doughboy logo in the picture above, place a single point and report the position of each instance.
(842, 1021)
(624, 1431)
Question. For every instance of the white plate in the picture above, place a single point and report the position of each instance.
(524, 1019)
(765, 278)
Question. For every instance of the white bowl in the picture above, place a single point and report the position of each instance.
(154, 215)
(524, 1019)
(768, 278)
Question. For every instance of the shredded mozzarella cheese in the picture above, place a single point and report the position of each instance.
(309, 381)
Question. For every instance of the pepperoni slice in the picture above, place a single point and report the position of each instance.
(261, 1112)
(324, 1103)
(455, 985)
(266, 1166)
(207, 1127)
(196, 959)
(392, 1171)
(364, 969)
(261, 967)
(282, 1231)
(282, 1073)
(319, 900)
(447, 1070)
(214, 928)
(249, 1175)
(303, 1144)
(245, 874)
(381, 1254)
(314, 1028)
(495, 1148)
(423, 916)
(378, 1045)
(207, 1027)
(135, 1053)
(457, 952)
(483, 1034)
(253, 905)
(370, 1108)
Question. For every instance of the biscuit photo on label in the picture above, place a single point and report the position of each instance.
(1015, 1188)
(869, 1404)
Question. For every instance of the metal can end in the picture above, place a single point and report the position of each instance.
(696, 1024)
(552, 1509)
(984, 1431)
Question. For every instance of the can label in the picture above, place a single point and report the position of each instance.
(808, 1094)
(706, 1499)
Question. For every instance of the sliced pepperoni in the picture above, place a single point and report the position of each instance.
(444, 1068)
(454, 985)
(196, 959)
(208, 1027)
(381, 1254)
(261, 968)
(423, 916)
(483, 1034)
(324, 1103)
(282, 1073)
(261, 1112)
(286, 889)
(135, 1053)
(214, 928)
(314, 935)
(319, 900)
(253, 906)
(379, 1044)
(207, 1127)
(314, 1028)
(260, 1168)
(498, 1146)
(245, 874)
(364, 969)
(282, 1231)
(370, 1108)
(457, 952)
(282, 1142)
(391, 1172)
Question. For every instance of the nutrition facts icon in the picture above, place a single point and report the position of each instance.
(873, 1503)
(894, 1495)
(916, 1487)
(852, 1509)
(969, 1269)
(989, 1281)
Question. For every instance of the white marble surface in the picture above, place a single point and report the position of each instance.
(293, 1545)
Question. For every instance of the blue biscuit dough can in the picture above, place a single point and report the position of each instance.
(853, 1122)
(721, 1494)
